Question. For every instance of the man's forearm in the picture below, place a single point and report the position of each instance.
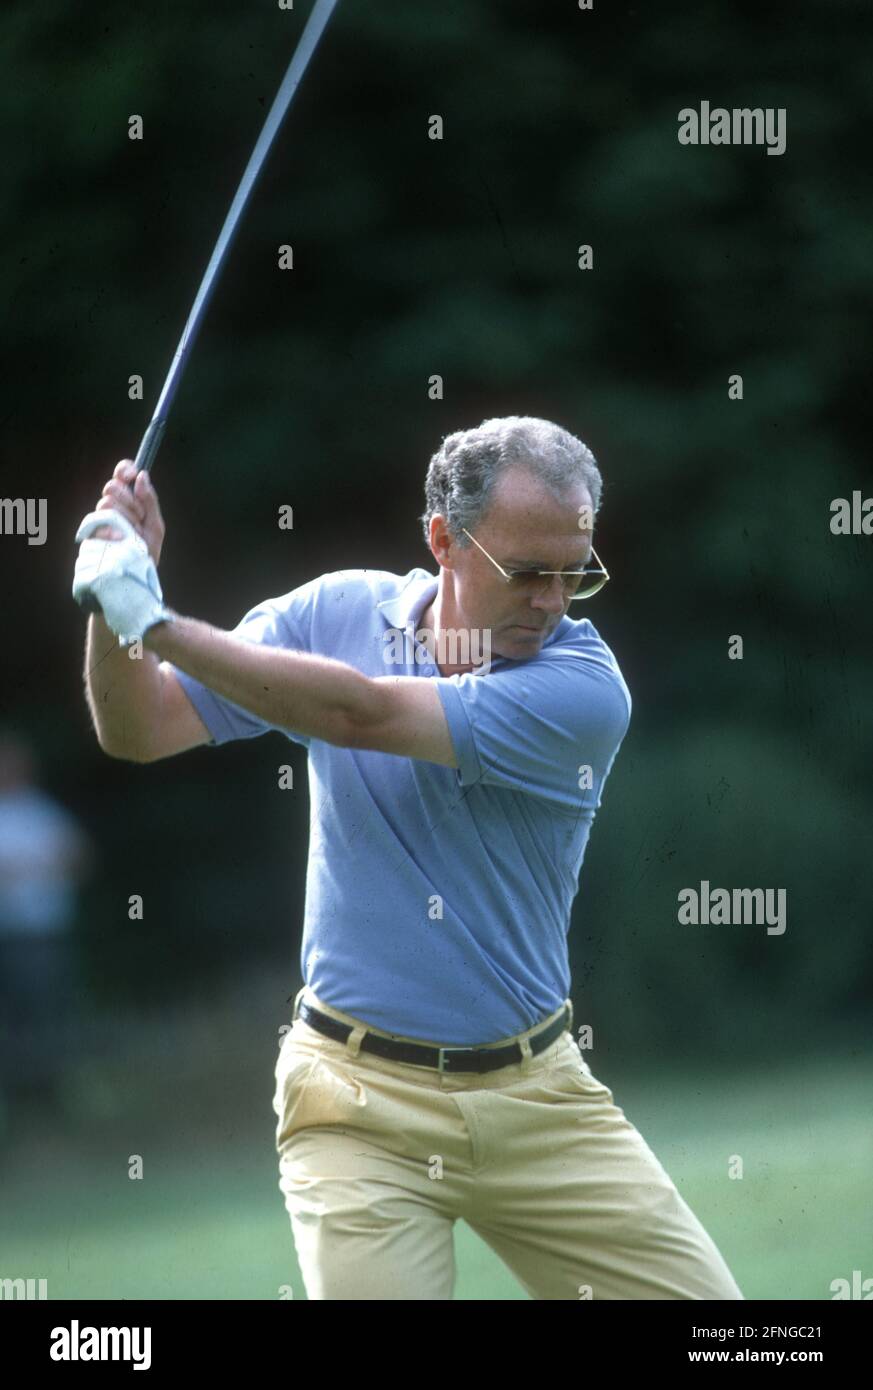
(123, 694)
(311, 695)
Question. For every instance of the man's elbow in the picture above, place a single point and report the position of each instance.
(346, 731)
(360, 726)
(125, 752)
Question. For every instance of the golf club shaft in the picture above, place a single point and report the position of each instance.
(151, 440)
(313, 30)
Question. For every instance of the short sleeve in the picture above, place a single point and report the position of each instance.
(534, 726)
(273, 623)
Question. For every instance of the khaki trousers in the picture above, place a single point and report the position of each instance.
(378, 1159)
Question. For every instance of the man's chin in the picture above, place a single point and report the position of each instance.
(519, 642)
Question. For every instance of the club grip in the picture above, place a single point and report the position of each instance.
(151, 442)
(149, 445)
(89, 604)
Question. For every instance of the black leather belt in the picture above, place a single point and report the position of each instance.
(442, 1058)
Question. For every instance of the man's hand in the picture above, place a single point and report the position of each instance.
(120, 575)
(132, 494)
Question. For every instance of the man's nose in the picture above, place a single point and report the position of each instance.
(551, 598)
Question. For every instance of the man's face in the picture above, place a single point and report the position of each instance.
(525, 527)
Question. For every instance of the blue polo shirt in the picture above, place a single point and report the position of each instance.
(438, 899)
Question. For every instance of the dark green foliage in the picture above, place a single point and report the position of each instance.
(458, 257)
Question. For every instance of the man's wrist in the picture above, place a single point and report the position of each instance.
(156, 633)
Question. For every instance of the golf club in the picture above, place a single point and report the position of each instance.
(151, 440)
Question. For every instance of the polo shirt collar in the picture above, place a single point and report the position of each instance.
(408, 606)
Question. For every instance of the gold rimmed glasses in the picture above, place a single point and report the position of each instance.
(574, 587)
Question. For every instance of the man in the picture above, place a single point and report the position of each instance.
(430, 1072)
(44, 857)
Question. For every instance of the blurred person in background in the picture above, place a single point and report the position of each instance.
(44, 855)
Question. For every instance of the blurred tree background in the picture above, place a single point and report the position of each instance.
(310, 387)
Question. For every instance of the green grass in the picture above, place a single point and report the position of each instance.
(208, 1220)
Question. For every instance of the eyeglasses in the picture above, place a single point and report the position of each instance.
(573, 585)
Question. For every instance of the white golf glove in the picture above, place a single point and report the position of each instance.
(121, 576)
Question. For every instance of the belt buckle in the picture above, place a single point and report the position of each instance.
(441, 1066)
